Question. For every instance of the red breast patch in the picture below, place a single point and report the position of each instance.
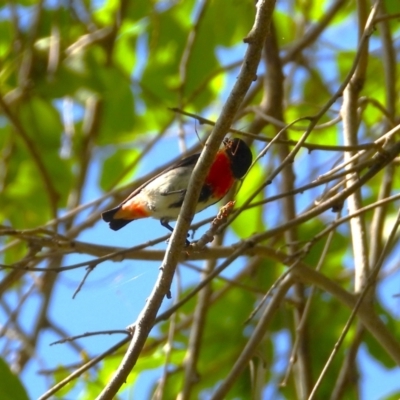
(220, 177)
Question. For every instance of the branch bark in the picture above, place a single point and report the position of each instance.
(146, 319)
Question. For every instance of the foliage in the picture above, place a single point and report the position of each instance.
(87, 92)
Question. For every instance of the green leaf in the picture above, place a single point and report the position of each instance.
(393, 396)
(375, 348)
(285, 27)
(5, 40)
(392, 7)
(125, 48)
(114, 167)
(105, 15)
(43, 125)
(11, 387)
(118, 105)
(250, 220)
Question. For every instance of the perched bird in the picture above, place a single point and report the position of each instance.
(162, 196)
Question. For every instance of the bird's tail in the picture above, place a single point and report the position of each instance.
(115, 223)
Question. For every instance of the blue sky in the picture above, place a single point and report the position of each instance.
(115, 292)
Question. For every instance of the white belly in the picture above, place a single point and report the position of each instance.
(164, 195)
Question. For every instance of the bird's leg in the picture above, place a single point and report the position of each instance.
(165, 223)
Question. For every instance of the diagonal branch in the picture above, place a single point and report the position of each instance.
(146, 319)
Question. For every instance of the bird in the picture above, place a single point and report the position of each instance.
(162, 196)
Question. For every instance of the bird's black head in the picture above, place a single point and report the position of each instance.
(240, 155)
